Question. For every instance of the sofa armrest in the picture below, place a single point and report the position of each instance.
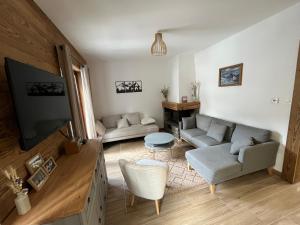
(259, 156)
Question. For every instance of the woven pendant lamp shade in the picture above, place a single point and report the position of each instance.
(159, 47)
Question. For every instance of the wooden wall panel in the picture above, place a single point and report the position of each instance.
(291, 165)
(26, 35)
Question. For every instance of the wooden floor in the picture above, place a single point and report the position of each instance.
(254, 199)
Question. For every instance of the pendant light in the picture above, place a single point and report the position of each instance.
(159, 47)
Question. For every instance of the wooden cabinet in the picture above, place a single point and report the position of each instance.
(94, 211)
(75, 193)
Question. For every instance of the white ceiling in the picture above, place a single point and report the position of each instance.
(125, 28)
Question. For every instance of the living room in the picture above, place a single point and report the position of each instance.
(163, 112)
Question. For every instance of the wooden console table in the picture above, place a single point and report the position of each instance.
(74, 194)
(173, 113)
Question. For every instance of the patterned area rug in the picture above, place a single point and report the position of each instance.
(179, 176)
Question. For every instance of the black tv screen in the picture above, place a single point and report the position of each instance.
(40, 100)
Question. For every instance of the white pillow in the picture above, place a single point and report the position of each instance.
(123, 123)
(100, 128)
(147, 120)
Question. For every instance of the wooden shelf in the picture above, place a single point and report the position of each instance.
(181, 106)
(66, 190)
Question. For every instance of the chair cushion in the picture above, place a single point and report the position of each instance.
(123, 123)
(203, 141)
(230, 128)
(215, 164)
(133, 118)
(111, 121)
(203, 122)
(237, 145)
(100, 128)
(217, 131)
(246, 132)
(188, 122)
(152, 162)
(147, 121)
(188, 134)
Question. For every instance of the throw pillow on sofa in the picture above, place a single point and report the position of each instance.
(217, 131)
(203, 122)
(133, 118)
(147, 121)
(188, 122)
(237, 145)
(122, 123)
(111, 121)
(100, 128)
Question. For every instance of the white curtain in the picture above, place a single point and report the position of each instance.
(87, 105)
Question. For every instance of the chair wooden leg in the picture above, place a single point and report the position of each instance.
(157, 206)
(132, 200)
(212, 188)
(270, 171)
(189, 167)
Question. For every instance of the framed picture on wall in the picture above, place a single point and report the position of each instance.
(128, 86)
(231, 75)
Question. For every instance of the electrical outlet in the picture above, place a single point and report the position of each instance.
(275, 100)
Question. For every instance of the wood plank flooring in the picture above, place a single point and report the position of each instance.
(256, 199)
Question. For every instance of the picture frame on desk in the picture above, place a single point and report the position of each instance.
(38, 179)
(34, 163)
(50, 165)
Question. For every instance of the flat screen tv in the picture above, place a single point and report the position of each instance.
(40, 99)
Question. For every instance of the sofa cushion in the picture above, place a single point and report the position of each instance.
(237, 145)
(215, 163)
(203, 122)
(204, 141)
(217, 131)
(188, 134)
(123, 123)
(133, 118)
(188, 122)
(230, 128)
(100, 128)
(147, 121)
(133, 130)
(244, 132)
(111, 121)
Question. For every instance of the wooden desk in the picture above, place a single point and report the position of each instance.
(66, 190)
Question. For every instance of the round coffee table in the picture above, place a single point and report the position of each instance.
(159, 141)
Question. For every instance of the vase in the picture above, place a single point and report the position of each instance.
(22, 203)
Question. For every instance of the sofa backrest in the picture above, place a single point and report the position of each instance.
(243, 131)
(230, 128)
(203, 122)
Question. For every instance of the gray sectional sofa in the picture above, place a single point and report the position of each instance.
(225, 150)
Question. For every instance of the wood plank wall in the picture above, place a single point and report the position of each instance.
(291, 165)
(26, 35)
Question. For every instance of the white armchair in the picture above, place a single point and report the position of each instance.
(146, 179)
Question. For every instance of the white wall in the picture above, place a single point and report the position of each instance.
(269, 53)
(153, 73)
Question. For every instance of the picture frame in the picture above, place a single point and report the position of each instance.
(38, 179)
(34, 163)
(231, 75)
(184, 99)
(49, 165)
(128, 86)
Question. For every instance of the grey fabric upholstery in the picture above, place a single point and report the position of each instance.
(123, 123)
(217, 131)
(203, 122)
(114, 134)
(258, 157)
(243, 131)
(237, 145)
(204, 141)
(188, 122)
(214, 163)
(133, 118)
(230, 128)
(111, 121)
(188, 134)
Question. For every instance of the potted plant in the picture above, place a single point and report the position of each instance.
(195, 90)
(165, 92)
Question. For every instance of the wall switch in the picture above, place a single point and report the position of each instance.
(275, 100)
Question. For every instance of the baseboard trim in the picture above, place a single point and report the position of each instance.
(276, 172)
